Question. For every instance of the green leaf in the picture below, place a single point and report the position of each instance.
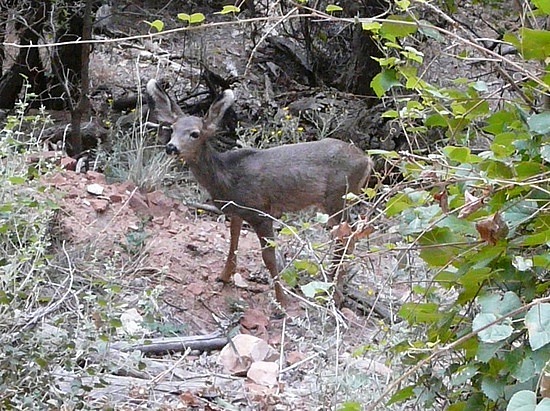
(305, 265)
(403, 4)
(532, 44)
(184, 16)
(500, 121)
(290, 276)
(427, 29)
(542, 261)
(538, 238)
(17, 180)
(484, 257)
(463, 374)
(420, 313)
(384, 81)
(480, 86)
(402, 395)
(115, 322)
(196, 18)
(158, 25)
(496, 169)
(312, 289)
(438, 254)
(397, 27)
(458, 154)
(486, 351)
(331, 8)
(527, 169)
(457, 225)
(229, 9)
(436, 120)
(289, 230)
(390, 114)
(458, 406)
(522, 401)
(503, 144)
(350, 406)
(494, 333)
(371, 26)
(524, 370)
(545, 152)
(499, 304)
(537, 321)
(419, 219)
(321, 218)
(398, 203)
(543, 5)
(540, 123)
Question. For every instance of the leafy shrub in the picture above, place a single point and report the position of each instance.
(47, 305)
(480, 216)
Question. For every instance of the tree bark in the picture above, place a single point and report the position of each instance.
(28, 65)
(361, 67)
(82, 109)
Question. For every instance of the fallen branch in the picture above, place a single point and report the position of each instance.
(201, 343)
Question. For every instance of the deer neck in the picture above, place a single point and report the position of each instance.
(211, 172)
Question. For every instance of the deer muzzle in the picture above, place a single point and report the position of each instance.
(171, 149)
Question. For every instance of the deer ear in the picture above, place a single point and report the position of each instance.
(165, 109)
(218, 109)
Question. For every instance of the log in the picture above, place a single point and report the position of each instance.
(201, 343)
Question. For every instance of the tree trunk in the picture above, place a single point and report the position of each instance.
(28, 65)
(362, 67)
(82, 109)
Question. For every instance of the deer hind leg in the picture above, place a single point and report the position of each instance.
(231, 263)
(264, 230)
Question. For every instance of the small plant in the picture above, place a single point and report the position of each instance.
(136, 157)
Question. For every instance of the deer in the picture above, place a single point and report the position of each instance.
(259, 185)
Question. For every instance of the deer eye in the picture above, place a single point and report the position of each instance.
(195, 134)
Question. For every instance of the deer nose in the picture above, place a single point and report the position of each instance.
(171, 149)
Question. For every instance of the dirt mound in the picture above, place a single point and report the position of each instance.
(182, 249)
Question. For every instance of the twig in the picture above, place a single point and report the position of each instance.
(264, 36)
(449, 347)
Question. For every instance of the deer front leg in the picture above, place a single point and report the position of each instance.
(231, 263)
(264, 230)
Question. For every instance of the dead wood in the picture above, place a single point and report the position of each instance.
(116, 388)
(366, 304)
(200, 343)
(93, 133)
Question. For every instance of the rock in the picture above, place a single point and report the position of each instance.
(68, 163)
(244, 350)
(131, 322)
(115, 198)
(99, 205)
(294, 357)
(95, 189)
(264, 373)
(239, 281)
(196, 289)
(138, 204)
(96, 176)
(255, 322)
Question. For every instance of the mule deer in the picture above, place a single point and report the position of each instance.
(258, 185)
